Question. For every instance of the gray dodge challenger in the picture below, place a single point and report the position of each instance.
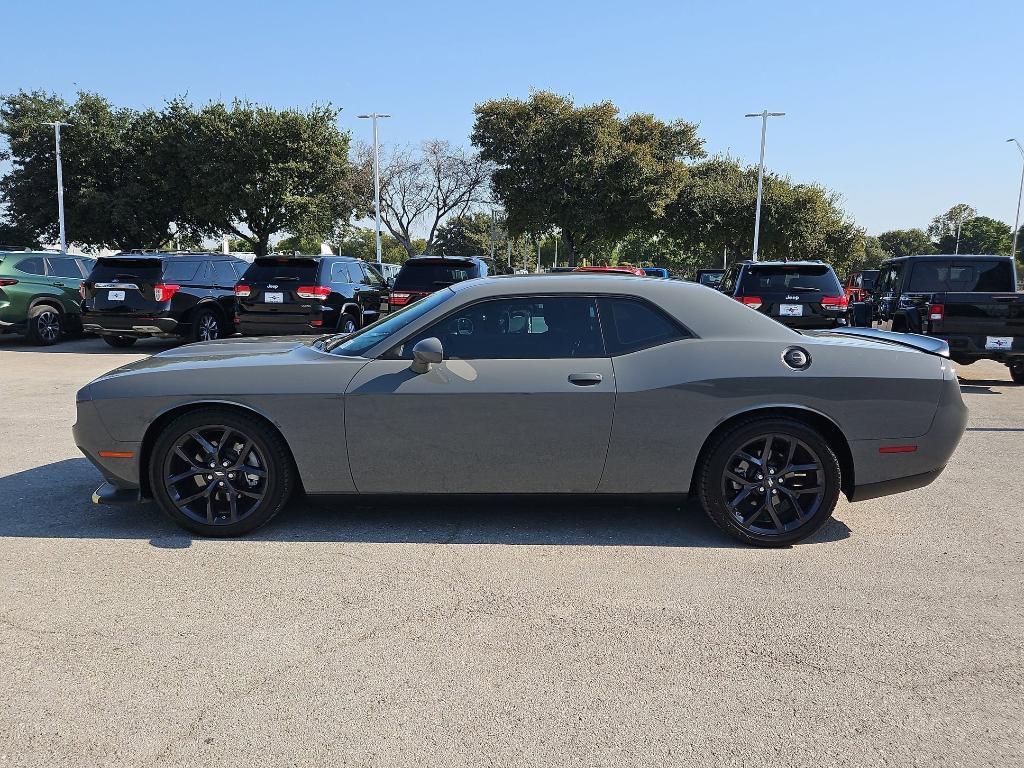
(546, 384)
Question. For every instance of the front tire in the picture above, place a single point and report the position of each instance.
(769, 481)
(347, 323)
(220, 473)
(45, 326)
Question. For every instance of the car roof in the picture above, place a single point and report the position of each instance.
(946, 257)
(173, 255)
(783, 263)
(430, 258)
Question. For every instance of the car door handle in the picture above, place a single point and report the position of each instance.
(585, 379)
(58, 285)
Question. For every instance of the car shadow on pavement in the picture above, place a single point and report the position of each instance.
(87, 345)
(53, 501)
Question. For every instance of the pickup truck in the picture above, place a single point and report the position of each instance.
(970, 302)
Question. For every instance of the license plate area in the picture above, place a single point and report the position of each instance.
(791, 310)
(273, 297)
(999, 342)
(115, 295)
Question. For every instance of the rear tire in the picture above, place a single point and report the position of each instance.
(207, 325)
(1017, 373)
(773, 500)
(120, 342)
(45, 326)
(250, 482)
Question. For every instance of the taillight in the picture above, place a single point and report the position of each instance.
(937, 312)
(754, 302)
(241, 291)
(400, 298)
(81, 290)
(313, 291)
(164, 291)
(835, 302)
(7, 281)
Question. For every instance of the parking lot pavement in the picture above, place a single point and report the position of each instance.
(539, 634)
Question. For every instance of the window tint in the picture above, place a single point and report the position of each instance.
(340, 273)
(180, 271)
(630, 325)
(790, 278)
(374, 333)
(223, 275)
(983, 276)
(279, 269)
(534, 328)
(728, 284)
(59, 267)
(431, 275)
(33, 265)
(85, 265)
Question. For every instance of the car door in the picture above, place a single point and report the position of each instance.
(65, 276)
(521, 404)
(372, 292)
(886, 299)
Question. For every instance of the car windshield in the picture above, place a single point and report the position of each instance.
(797, 278)
(359, 342)
(430, 276)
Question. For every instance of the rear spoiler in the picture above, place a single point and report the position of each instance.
(927, 344)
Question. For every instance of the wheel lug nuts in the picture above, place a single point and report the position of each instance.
(231, 475)
(761, 489)
(225, 464)
(221, 483)
(209, 477)
(760, 477)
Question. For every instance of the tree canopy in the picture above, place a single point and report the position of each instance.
(586, 171)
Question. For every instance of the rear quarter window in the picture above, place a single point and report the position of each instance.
(630, 325)
(181, 271)
(33, 265)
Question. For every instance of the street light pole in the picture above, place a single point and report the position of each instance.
(1020, 193)
(376, 175)
(60, 185)
(764, 115)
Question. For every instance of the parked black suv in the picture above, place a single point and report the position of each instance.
(422, 275)
(800, 294)
(309, 294)
(132, 296)
(970, 302)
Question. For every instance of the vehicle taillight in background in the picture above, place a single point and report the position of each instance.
(936, 312)
(242, 291)
(754, 302)
(400, 298)
(7, 281)
(164, 291)
(313, 291)
(81, 289)
(835, 302)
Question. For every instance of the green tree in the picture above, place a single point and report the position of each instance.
(946, 226)
(906, 242)
(298, 243)
(119, 171)
(980, 234)
(472, 235)
(585, 170)
(255, 171)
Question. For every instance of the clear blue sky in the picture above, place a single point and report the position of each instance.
(902, 107)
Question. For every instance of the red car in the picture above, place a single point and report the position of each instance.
(621, 270)
(859, 284)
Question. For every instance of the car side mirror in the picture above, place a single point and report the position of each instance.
(425, 352)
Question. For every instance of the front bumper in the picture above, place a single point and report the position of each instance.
(92, 437)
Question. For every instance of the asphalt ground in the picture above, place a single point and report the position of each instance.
(503, 634)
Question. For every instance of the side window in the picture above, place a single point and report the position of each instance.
(373, 277)
(339, 274)
(239, 267)
(33, 265)
(630, 325)
(533, 328)
(182, 271)
(63, 267)
(223, 275)
(85, 265)
(884, 280)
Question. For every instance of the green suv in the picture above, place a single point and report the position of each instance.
(39, 294)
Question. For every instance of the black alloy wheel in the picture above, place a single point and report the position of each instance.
(770, 482)
(220, 473)
(45, 326)
(1017, 373)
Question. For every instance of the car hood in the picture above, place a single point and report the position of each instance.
(268, 350)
